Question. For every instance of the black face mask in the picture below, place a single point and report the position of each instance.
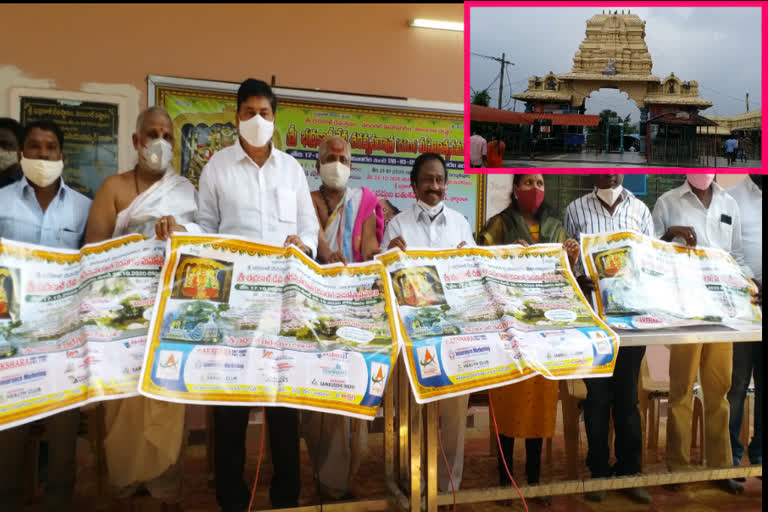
(757, 179)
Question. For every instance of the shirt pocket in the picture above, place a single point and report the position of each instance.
(286, 206)
(70, 238)
(721, 232)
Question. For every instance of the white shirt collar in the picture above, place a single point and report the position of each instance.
(685, 188)
(26, 185)
(421, 215)
(240, 154)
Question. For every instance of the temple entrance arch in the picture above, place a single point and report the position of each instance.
(613, 55)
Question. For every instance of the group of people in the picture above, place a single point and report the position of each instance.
(486, 154)
(254, 190)
(736, 148)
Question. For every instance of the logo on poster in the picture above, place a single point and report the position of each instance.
(379, 374)
(170, 364)
(428, 366)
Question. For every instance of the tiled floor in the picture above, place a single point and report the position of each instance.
(479, 471)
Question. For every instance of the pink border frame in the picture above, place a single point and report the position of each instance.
(589, 170)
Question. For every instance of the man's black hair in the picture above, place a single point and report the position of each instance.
(46, 125)
(253, 87)
(14, 126)
(419, 163)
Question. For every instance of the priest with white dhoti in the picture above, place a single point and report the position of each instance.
(144, 437)
(353, 226)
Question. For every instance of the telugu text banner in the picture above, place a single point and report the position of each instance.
(644, 283)
(241, 323)
(73, 324)
(473, 319)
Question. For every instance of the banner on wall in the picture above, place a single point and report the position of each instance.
(73, 324)
(644, 283)
(384, 141)
(240, 323)
(473, 319)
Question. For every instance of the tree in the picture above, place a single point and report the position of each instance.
(482, 98)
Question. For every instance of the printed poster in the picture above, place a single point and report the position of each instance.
(73, 324)
(477, 318)
(384, 142)
(241, 323)
(644, 283)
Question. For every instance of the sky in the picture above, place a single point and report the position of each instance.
(719, 47)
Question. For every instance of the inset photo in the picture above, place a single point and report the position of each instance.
(631, 87)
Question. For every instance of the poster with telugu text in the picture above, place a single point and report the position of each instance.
(644, 283)
(241, 323)
(477, 318)
(73, 324)
(384, 143)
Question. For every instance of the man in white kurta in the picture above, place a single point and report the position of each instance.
(429, 224)
(144, 437)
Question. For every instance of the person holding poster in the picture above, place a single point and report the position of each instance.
(41, 209)
(144, 437)
(353, 225)
(253, 189)
(428, 223)
(352, 218)
(611, 208)
(527, 409)
(748, 357)
(700, 213)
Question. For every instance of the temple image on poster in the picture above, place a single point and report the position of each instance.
(199, 278)
(200, 142)
(418, 287)
(615, 270)
(9, 301)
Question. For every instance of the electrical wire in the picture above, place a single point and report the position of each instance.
(501, 452)
(261, 453)
(445, 459)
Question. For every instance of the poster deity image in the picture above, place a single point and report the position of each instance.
(472, 319)
(243, 323)
(73, 324)
(644, 283)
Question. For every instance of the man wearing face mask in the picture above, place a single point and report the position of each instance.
(700, 213)
(432, 225)
(611, 208)
(254, 190)
(10, 136)
(41, 209)
(353, 224)
(145, 459)
(352, 218)
(748, 357)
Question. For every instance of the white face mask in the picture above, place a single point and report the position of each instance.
(8, 157)
(256, 131)
(335, 175)
(609, 195)
(432, 211)
(41, 172)
(157, 154)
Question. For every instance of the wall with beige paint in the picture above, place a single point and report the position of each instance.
(364, 49)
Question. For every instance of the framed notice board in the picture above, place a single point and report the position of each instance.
(386, 136)
(93, 128)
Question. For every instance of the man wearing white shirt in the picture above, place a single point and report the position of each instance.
(700, 213)
(254, 190)
(748, 357)
(428, 223)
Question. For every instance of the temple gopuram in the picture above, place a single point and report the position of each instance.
(614, 55)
